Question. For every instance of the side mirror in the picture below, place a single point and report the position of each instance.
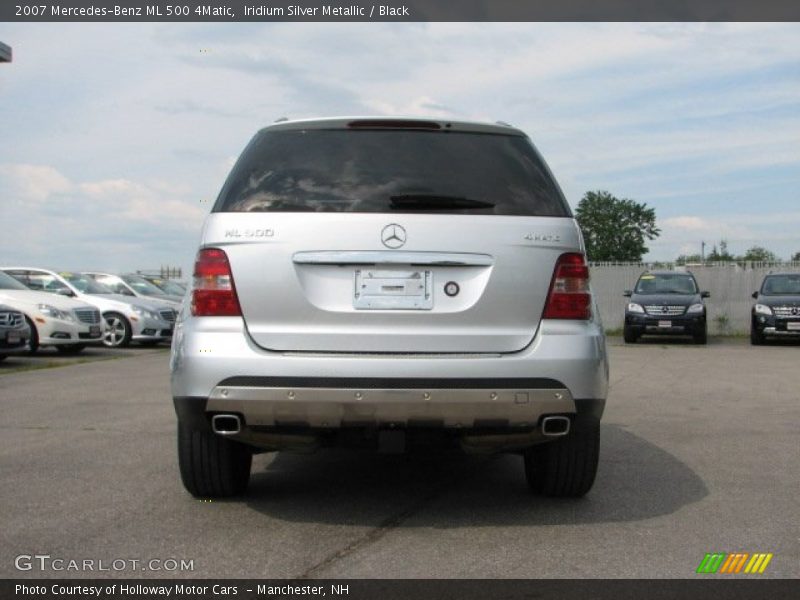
(627, 293)
(126, 292)
(65, 292)
(755, 294)
(705, 295)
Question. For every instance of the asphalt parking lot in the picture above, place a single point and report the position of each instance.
(699, 454)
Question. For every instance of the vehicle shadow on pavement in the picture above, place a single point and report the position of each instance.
(636, 480)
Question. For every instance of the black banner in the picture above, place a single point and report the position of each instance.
(406, 589)
(398, 10)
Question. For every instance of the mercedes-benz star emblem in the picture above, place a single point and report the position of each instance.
(393, 236)
(795, 311)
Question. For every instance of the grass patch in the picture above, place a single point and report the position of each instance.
(7, 368)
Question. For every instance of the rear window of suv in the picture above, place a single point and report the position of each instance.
(391, 171)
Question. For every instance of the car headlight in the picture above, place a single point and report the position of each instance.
(55, 313)
(763, 309)
(144, 313)
(695, 308)
(635, 308)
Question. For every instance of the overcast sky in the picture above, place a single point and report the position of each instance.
(115, 138)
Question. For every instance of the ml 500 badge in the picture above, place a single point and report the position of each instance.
(249, 233)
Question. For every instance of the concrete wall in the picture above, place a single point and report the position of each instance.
(730, 285)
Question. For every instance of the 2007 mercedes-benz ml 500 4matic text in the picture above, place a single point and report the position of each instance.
(391, 283)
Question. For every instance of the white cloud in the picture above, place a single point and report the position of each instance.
(32, 182)
(690, 223)
(76, 224)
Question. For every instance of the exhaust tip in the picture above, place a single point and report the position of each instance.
(555, 426)
(226, 424)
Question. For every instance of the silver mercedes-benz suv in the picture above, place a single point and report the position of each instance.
(388, 282)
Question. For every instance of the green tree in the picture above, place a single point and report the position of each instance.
(615, 229)
(721, 255)
(796, 257)
(759, 254)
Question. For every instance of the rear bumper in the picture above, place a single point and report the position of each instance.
(216, 368)
(207, 351)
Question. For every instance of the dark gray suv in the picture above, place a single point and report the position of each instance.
(666, 303)
(776, 312)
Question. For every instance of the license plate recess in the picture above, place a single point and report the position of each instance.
(393, 289)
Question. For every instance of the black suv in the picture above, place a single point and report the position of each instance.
(777, 308)
(666, 303)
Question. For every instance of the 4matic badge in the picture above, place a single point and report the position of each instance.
(542, 237)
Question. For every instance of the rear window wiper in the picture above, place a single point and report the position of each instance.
(437, 202)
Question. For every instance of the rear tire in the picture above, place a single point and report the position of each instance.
(33, 343)
(567, 467)
(629, 335)
(211, 465)
(71, 349)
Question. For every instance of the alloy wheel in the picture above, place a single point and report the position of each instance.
(115, 332)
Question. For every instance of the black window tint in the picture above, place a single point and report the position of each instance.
(781, 285)
(361, 170)
(666, 284)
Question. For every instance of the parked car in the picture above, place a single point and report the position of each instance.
(776, 312)
(14, 332)
(382, 281)
(68, 325)
(130, 284)
(666, 303)
(169, 286)
(127, 319)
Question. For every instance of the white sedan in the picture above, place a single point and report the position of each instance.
(67, 324)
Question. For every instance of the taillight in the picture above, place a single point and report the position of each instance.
(569, 296)
(214, 294)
